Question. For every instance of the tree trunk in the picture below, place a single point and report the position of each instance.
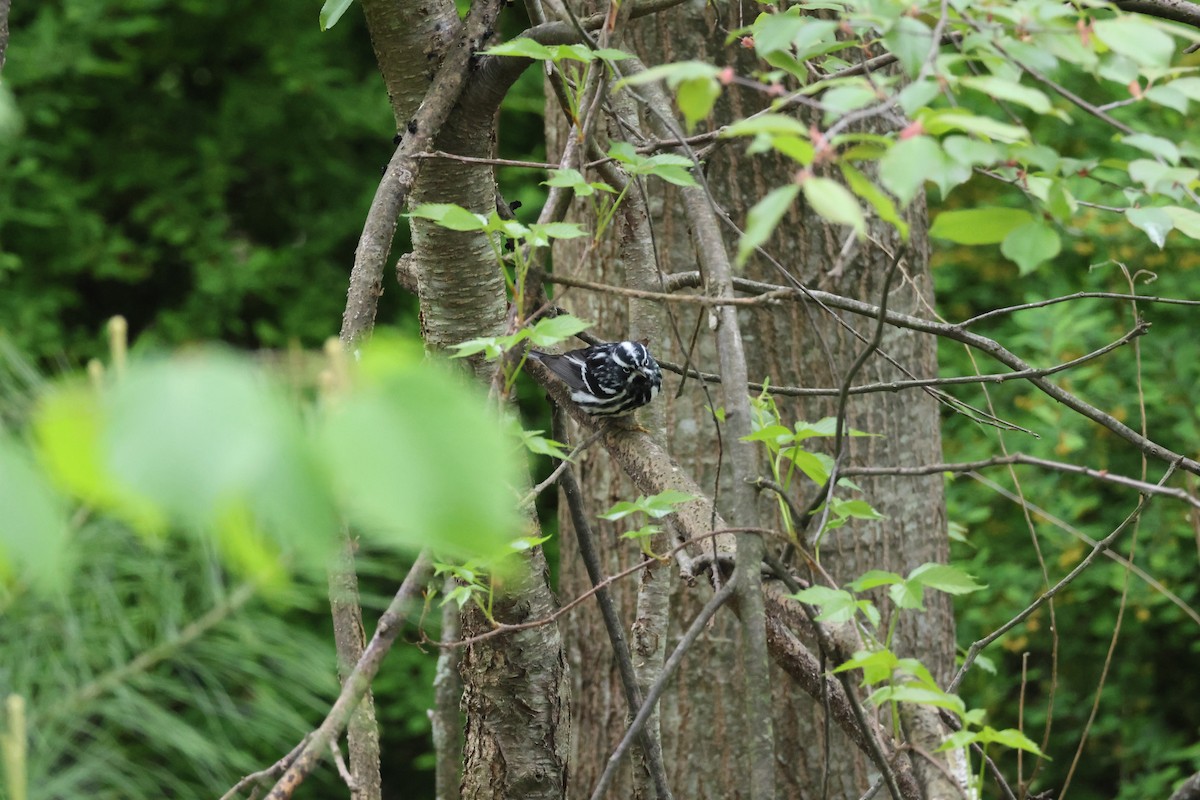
(701, 721)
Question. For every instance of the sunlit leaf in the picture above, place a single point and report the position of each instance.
(696, 97)
(766, 123)
(987, 225)
(906, 166)
(547, 332)
(1154, 222)
(33, 527)
(835, 203)
(1186, 220)
(911, 41)
(1154, 145)
(1136, 39)
(945, 578)
(420, 460)
(1030, 245)
(763, 217)
(332, 11)
(521, 47)
(451, 216)
(1010, 90)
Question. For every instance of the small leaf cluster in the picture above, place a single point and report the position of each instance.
(787, 456)
(655, 506)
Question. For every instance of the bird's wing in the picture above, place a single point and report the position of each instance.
(569, 367)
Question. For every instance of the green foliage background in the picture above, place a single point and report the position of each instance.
(204, 168)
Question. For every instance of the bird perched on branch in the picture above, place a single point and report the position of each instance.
(607, 379)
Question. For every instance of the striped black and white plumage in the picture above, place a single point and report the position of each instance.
(607, 379)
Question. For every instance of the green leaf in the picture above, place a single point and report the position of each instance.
(1154, 145)
(774, 32)
(766, 123)
(1011, 90)
(917, 694)
(534, 442)
(521, 47)
(911, 41)
(877, 666)
(331, 12)
(543, 232)
(673, 74)
(771, 434)
(668, 168)
(570, 52)
(491, 346)
(763, 217)
(855, 509)
(656, 505)
(69, 425)
(1168, 96)
(1154, 222)
(1136, 39)
(644, 532)
(944, 120)
(1031, 244)
(945, 578)
(908, 595)
(420, 460)
(451, 216)
(847, 97)
(200, 434)
(835, 203)
(906, 166)
(547, 332)
(696, 97)
(611, 54)
(815, 466)
(882, 204)
(987, 225)
(873, 578)
(1186, 221)
(34, 548)
(799, 150)
(836, 605)
(1010, 737)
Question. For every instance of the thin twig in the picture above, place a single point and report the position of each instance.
(359, 681)
(672, 663)
(270, 773)
(1021, 458)
(612, 622)
(977, 647)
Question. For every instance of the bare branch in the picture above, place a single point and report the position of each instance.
(693, 632)
(1021, 458)
(1102, 545)
(359, 681)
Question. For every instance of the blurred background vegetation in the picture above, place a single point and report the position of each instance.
(203, 168)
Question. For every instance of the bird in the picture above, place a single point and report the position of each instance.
(608, 379)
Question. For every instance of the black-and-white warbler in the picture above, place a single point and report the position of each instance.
(607, 379)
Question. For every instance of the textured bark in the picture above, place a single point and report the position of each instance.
(5, 5)
(516, 701)
(702, 722)
(515, 691)
(362, 732)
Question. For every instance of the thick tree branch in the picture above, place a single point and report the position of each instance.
(366, 277)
